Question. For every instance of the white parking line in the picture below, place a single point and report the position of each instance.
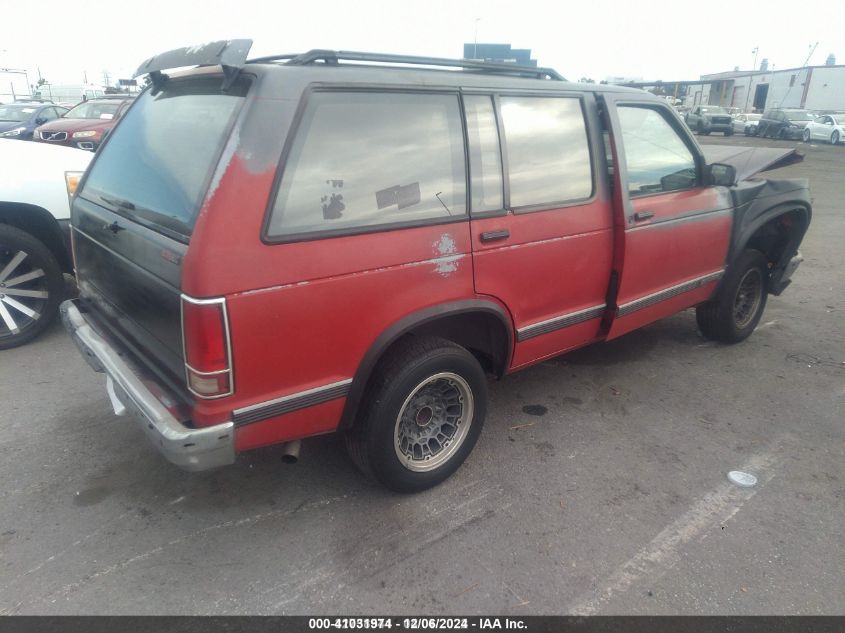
(660, 555)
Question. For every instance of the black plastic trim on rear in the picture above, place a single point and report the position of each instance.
(290, 403)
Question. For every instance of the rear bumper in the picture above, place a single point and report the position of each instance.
(190, 449)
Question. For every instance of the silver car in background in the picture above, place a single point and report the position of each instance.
(746, 123)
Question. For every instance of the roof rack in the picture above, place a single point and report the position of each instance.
(333, 57)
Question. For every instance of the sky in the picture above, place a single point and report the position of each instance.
(681, 39)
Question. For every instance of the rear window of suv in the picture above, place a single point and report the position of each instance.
(157, 165)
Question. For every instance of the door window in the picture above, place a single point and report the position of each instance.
(485, 161)
(657, 158)
(372, 159)
(547, 149)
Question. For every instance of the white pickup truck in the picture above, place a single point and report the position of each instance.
(36, 182)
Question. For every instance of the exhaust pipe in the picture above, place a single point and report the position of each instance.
(290, 452)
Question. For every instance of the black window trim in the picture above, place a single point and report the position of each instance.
(308, 236)
(674, 123)
(556, 204)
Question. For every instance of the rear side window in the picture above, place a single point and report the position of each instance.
(157, 164)
(548, 154)
(657, 159)
(371, 159)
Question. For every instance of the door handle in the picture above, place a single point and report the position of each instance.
(492, 236)
(114, 227)
(640, 216)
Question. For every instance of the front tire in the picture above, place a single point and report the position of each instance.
(806, 135)
(737, 308)
(834, 138)
(423, 412)
(31, 287)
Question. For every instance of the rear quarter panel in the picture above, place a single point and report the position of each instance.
(303, 314)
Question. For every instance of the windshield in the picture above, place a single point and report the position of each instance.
(157, 163)
(713, 110)
(93, 110)
(16, 112)
(799, 115)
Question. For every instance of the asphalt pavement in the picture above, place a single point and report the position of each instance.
(599, 484)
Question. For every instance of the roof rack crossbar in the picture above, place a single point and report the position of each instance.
(333, 57)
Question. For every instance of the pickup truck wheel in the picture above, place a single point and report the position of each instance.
(31, 286)
(732, 316)
(423, 412)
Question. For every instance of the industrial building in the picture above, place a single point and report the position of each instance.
(809, 87)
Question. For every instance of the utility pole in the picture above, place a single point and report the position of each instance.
(755, 50)
(475, 40)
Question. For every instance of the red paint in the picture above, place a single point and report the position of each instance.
(669, 249)
(303, 315)
(554, 262)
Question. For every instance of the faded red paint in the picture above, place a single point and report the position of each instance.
(304, 314)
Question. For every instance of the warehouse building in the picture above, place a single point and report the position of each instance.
(810, 87)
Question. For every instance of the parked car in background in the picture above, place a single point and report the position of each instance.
(18, 120)
(84, 126)
(705, 119)
(827, 127)
(784, 123)
(35, 185)
(746, 123)
(309, 247)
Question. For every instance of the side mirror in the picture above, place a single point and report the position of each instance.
(721, 175)
(40, 120)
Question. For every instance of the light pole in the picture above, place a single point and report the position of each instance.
(755, 50)
(475, 40)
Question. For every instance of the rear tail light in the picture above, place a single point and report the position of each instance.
(207, 347)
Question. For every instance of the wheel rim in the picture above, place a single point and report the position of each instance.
(806, 136)
(748, 297)
(23, 292)
(834, 138)
(433, 422)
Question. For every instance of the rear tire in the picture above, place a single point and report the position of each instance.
(422, 414)
(31, 287)
(737, 308)
(806, 135)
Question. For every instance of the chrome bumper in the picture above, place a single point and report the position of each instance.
(190, 449)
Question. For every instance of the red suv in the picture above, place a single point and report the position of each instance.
(284, 247)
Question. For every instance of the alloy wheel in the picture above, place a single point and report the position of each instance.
(23, 292)
(433, 422)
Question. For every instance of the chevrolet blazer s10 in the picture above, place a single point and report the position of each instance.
(277, 248)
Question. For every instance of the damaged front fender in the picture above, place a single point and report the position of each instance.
(770, 215)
